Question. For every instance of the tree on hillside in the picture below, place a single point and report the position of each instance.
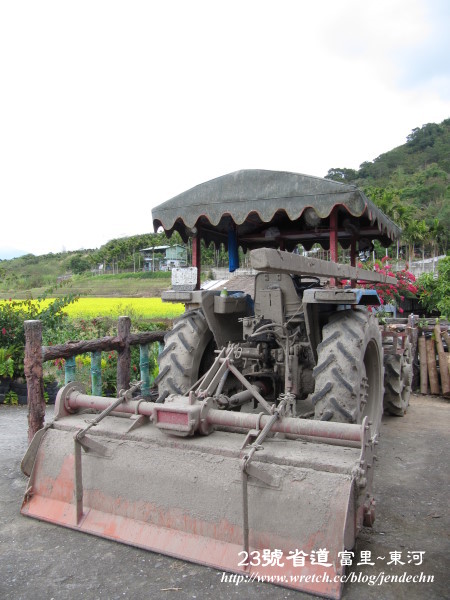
(411, 183)
(416, 233)
(390, 202)
(123, 253)
(342, 175)
(423, 137)
(79, 264)
(436, 236)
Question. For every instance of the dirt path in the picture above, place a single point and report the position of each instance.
(42, 561)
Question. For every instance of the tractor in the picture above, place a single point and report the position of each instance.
(298, 331)
(256, 454)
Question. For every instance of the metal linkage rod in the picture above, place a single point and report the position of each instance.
(289, 425)
(345, 432)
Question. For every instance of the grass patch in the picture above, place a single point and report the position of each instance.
(119, 286)
(138, 275)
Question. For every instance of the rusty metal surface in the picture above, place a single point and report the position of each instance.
(143, 494)
(198, 498)
(258, 200)
(181, 415)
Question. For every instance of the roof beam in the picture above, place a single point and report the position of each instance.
(276, 261)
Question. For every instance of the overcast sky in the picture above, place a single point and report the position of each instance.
(110, 108)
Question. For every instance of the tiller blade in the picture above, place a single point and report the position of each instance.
(282, 511)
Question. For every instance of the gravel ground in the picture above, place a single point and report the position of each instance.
(43, 561)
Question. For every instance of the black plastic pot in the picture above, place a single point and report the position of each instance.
(5, 384)
(20, 389)
(52, 390)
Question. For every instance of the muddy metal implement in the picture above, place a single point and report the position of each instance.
(229, 498)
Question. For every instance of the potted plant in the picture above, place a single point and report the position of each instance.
(51, 387)
(19, 387)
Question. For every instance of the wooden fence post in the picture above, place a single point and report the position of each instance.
(144, 369)
(34, 374)
(70, 366)
(413, 332)
(443, 363)
(432, 368)
(124, 354)
(423, 365)
(96, 373)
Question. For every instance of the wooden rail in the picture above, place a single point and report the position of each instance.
(36, 355)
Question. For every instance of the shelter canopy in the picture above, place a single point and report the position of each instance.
(274, 209)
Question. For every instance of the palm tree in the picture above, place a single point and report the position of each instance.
(436, 233)
(401, 214)
(415, 233)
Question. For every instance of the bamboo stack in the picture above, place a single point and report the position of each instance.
(434, 360)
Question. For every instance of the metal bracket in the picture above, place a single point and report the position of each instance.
(88, 444)
(270, 480)
(250, 438)
(137, 421)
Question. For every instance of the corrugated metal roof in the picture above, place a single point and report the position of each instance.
(154, 248)
(266, 207)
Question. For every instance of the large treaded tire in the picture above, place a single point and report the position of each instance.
(187, 354)
(349, 371)
(398, 376)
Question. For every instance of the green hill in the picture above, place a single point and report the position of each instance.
(411, 184)
(75, 272)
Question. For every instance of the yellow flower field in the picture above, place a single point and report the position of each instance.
(147, 308)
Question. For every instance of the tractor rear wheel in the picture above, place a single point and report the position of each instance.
(349, 370)
(397, 381)
(188, 353)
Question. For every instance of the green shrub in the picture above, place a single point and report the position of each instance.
(434, 291)
(12, 398)
(13, 314)
(6, 363)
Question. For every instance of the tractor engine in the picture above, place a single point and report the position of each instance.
(275, 352)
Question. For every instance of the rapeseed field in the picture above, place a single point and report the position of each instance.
(145, 308)
(137, 308)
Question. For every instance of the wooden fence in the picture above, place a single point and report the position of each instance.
(434, 360)
(36, 355)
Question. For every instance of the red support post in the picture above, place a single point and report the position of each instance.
(334, 235)
(353, 258)
(333, 240)
(196, 257)
(353, 253)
